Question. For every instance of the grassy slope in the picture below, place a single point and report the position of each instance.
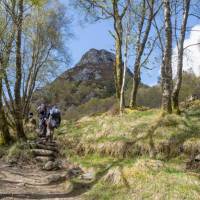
(155, 152)
(144, 153)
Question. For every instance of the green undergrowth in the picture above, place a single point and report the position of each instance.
(18, 152)
(145, 178)
(143, 152)
(135, 132)
(158, 149)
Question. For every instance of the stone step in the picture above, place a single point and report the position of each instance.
(47, 147)
(43, 152)
(44, 159)
(53, 144)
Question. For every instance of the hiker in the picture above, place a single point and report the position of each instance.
(30, 123)
(53, 121)
(43, 115)
(32, 120)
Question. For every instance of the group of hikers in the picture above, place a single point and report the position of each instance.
(49, 119)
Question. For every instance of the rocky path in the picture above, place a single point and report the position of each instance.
(47, 180)
(29, 183)
(46, 154)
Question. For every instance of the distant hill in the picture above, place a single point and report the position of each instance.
(86, 88)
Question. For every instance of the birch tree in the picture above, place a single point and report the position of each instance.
(127, 30)
(180, 48)
(143, 29)
(166, 67)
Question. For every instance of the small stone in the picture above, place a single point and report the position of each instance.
(55, 178)
(89, 175)
(12, 161)
(50, 165)
(76, 171)
(197, 158)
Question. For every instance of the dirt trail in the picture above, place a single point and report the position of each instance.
(33, 183)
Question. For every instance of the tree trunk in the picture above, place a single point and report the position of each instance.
(140, 46)
(118, 68)
(4, 130)
(166, 68)
(122, 103)
(136, 83)
(17, 89)
(180, 47)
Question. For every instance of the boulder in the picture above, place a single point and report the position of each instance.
(50, 165)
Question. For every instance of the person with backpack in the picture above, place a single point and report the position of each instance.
(53, 121)
(43, 115)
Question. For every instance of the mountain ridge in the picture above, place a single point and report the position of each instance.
(88, 83)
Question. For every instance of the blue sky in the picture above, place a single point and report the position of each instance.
(96, 35)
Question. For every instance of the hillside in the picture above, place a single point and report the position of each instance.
(85, 89)
(140, 155)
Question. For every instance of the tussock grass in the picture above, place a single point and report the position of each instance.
(146, 178)
(145, 153)
(135, 133)
(19, 151)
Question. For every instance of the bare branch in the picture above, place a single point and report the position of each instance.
(191, 45)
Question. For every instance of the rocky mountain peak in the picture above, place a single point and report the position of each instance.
(95, 57)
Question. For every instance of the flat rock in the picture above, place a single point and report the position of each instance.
(47, 147)
(55, 178)
(43, 152)
(43, 141)
(44, 158)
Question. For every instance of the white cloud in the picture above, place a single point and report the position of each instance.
(191, 58)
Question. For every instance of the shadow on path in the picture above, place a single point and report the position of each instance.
(78, 189)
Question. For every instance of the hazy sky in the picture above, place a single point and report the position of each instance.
(96, 35)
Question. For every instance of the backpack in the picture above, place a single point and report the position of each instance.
(42, 111)
(55, 117)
